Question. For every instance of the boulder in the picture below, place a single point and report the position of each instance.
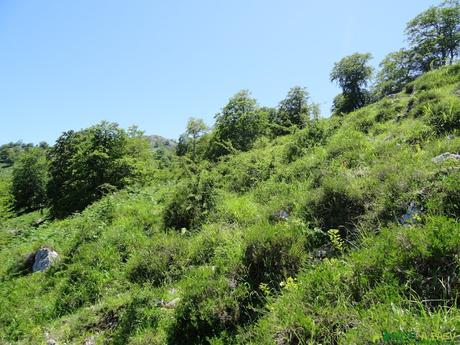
(444, 156)
(44, 258)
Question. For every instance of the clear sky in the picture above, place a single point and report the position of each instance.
(67, 64)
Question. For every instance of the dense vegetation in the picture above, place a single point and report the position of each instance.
(276, 226)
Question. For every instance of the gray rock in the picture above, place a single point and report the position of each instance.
(90, 341)
(168, 305)
(50, 340)
(411, 215)
(44, 258)
(279, 216)
(444, 156)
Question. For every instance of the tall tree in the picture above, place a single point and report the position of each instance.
(434, 35)
(239, 123)
(396, 70)
(86, 164)
(30, 174)
(294, 110)
(195, 128)
(352, 74)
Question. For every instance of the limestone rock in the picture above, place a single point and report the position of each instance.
(44, 258)
(444, 156)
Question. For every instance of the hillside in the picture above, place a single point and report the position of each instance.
(345, 232)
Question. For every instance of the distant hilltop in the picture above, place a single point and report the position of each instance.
(157, 141)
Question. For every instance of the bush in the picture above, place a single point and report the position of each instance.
(211, 306)
(161, 261)
(444, 199)
(336, 203)
(272, 254)
(140, 313)
(244, 171)
(313, 135)
(422, 260)
(191, 203)
(444, 115)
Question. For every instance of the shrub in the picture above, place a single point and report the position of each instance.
(243, 172)
(336, 203)
(445, 197)
(140, 313)
(161, 261)
(313, 135)
(210, 306)
(272, 254)
(81, 286)
(191, 203)
(444, 115)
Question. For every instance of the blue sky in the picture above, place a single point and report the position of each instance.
(69, 64)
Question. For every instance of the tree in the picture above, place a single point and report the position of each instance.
(84, 165)
(294, 110)
(352, 74)
(434, 35)
(396, 70)
(30, 174)
(239, 123)
(195, 128)
(183, 144)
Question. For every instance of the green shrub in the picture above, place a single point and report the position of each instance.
(423, 261)
(139, 314)
(244, 171)
(336, 203)
(210, 306)
(191, 203)
(161, 261)
(313, 135)
(445, 198)
(30, 174)
(82, 286)
(444, 116)
(273, 254)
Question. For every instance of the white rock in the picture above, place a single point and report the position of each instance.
(44, 258)
(446, 155)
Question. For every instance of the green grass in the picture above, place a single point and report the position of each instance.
(205, 236)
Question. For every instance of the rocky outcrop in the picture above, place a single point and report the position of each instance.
(444, 156)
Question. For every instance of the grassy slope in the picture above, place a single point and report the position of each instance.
(245, 278)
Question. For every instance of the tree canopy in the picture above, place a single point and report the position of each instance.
(352, 74)
(396, 70)
(84, 165)
(239, 123)
(294, 110)
(434, 35)
(29, 180)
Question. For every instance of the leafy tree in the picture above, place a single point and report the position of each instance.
(29, 180)
(294, 110)
(396, 70)
(183, 144)
(238, 124)
(435, 35)
(352, 74)
(10, 152)
(195, 128)
(86, 164)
